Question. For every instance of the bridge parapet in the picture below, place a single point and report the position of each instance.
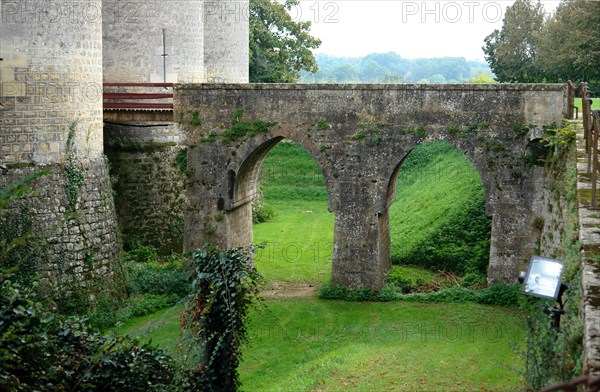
(359, 136)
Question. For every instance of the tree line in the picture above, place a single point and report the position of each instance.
(532, 47)
(392, 68)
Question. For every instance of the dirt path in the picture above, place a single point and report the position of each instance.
(278, 290)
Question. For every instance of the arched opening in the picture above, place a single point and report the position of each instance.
(290, 216)
(438, 219)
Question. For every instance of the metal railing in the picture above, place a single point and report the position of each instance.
(129, 97)
(591, 130)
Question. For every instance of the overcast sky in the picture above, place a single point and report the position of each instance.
(412, 29)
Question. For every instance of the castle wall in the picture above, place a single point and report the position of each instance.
(50, 77)
(51, 117)
(133, 41)
(148, 171)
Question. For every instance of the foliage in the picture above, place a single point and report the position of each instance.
(279, 46)
(265, 213)
(551, 355)
(569, 44)
(225, 286)
(481, 78)
(42, 351)
(560, 137)
(511, 51)
(438, 220)
(392, 68)
(159, 279)
(413, 279)
(138, 253)
(504, 295)
(74, 173)
(565, 45)
(181, 160)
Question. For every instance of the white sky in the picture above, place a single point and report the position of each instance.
(412, 29)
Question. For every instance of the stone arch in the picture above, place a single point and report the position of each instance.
(469, 150)
(391, 188)
(241, 183)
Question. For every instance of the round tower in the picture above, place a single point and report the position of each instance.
(51, 117)
(158, 41)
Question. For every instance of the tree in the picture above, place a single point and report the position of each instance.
(481, 78)
(512, 51)
(569, 43)
(279, 46)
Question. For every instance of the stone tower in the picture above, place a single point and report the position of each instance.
(51, 117)
(157, 41)
(176, 41)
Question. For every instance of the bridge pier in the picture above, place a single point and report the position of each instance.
(361, 244)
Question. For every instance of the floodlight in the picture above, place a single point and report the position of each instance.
(543, 277)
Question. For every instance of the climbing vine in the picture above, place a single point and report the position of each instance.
(225, 285)
(74, 174)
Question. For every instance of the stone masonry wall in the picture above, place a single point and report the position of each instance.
(149, 185)
(359, 135)
(133, 41)
(80, 245)
(50, 77)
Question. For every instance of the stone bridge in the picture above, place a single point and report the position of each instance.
(359, 136)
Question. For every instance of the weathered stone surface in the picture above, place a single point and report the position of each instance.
(149, 185)
(589, 236)
(359, 136)
(83, 244)
(203, 41)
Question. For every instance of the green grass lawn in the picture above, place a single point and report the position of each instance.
(310, 344)
(595, 103)
(299, 240)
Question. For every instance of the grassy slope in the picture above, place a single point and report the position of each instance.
(435, 186)
(310, 344)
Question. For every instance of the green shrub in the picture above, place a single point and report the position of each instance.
(141, 305)
(42, 351)
(225, 285)
(158, 279)
(141, 254)
(504, 295)
(410, 279)
(264, 213)
(473, 280)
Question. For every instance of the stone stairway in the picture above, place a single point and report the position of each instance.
(589, 237)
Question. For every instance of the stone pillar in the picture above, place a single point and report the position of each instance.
(361, 244)
(512, 241)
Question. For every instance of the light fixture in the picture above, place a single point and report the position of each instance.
(543, 280)
(543, 277)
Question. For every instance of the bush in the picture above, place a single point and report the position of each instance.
(410, 280)
(158, 279)
(141, 305)
(504, 295)
(473, 280)
(141, 254)
(42, 351)
(264, 213)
